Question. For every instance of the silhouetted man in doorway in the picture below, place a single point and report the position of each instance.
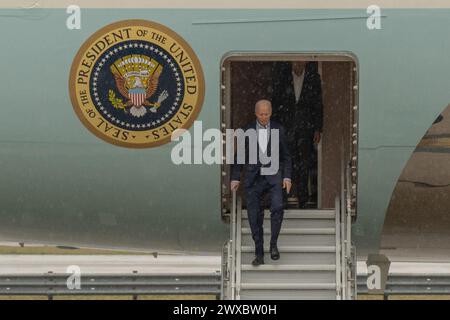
(297, 104)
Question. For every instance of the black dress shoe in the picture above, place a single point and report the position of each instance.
(302, 205)
(274, 253)
(258, 261)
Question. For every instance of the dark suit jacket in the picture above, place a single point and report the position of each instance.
(305, 116)
(253, 170)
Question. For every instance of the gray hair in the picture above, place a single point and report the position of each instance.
(263, 102)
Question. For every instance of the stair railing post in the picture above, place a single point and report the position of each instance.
(348, 236)
(223, 270)
(343, 246)
(343, 224)
(238, 247)
(233, 247)
(338, 248)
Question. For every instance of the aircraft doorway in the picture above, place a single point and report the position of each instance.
(248, 78)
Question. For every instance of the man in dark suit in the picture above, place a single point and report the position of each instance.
(259, 179)
(297, 103)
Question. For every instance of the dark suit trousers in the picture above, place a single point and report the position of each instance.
(303, 159)
(255, 209)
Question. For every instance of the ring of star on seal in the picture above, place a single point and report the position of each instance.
(134, 82)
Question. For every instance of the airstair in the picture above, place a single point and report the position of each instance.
(317, 257)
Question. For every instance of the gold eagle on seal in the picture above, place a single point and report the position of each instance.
(136, 77)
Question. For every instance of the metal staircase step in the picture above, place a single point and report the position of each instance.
(294, 249)
(297, 223)
(297, 231)
(289, 276)
(287, 294)
(311, 213)
(289, 267)
(288, 286)
(300, 214)
(294, 239)
(307, 267)
(295, 258)
(294, 255)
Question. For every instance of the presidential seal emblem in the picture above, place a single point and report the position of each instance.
(134, 82)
